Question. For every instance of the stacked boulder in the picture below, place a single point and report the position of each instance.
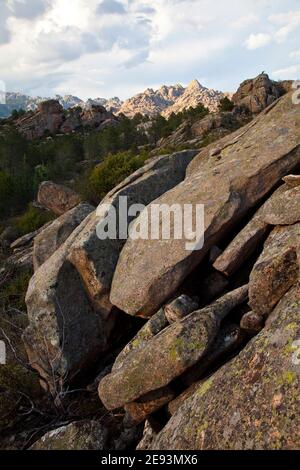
(184, 359)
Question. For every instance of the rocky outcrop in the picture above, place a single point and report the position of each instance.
(217, 125)
(276, 270)
(151, 102)
(228, 178)
(170, 353)
(47, 119)
(51, 118)
(258, 93)
(96, 259)
(57, 198)
(47, 241)
(252, 401)
(71, 321)
(79, 435)
(194, 94)
(64, 334)
(171, 99)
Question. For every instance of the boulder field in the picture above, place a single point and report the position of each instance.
(203, 344)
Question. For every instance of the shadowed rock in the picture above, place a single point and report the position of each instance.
(57, 198)
(79, 435)
(51, 238)
(282, 208)
(276, 270)
(180, 308)
(96, 259)
(252, 323)
(64, 334)
(257, 390)
(168, 354)
(138, 411)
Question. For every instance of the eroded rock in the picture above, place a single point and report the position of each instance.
(96, 259)
(79, 435)
(168, 354)
(245, 170)
(48, 240)
(276, 270)
(255, 392)
(57, 198)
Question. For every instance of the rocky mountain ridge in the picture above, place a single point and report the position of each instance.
(166, 99)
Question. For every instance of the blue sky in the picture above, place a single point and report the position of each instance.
(93, 48)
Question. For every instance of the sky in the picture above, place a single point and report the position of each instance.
(105, 48)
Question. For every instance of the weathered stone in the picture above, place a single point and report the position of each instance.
(51, 118)
(57, 198)
(292, 180)
(280, 208)
(229, 339)
(247, 169)
(283, 208)
(276, 270)
(64, 334)
(211, 287)
(48, 118)
(96, 259)
(252, 402)
(180, 308)
(168, 354)
(148, 436)
(47, 241)
(242, 246)
(258, 93)
(252, 323)
(138, 411)
(79, 435)
(153, 326)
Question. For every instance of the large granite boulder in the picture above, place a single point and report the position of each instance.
(57, 198)
(70, 323)
(96, 259)
(159, 360)
(276, 270)
(282, 208)
(228, 179)
(258, 93)
(64, 334)
(47, 241)
(48, 118)
(252, 402)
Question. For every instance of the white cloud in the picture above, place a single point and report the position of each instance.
(245, 21)
(105, 47)
(255, 41)
(289, 22)
(288, 73)
(294, 54)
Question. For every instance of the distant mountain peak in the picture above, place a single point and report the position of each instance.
(195, 85)
(165, 100)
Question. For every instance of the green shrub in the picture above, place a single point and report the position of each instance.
(226, 105)
(111, 172)
(32, 220)
(13, 291)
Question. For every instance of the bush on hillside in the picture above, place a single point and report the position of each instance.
(111, 172)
